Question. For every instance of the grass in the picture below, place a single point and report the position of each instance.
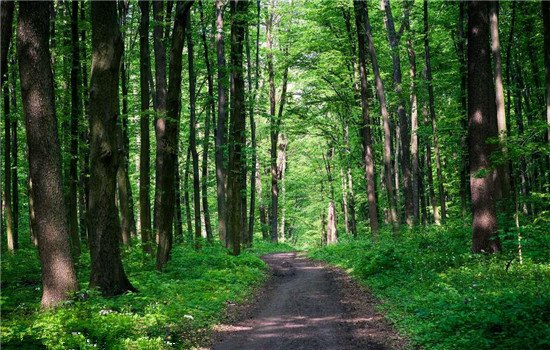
(443, 297)
(172, 310)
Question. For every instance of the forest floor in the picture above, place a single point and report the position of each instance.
(307, 305)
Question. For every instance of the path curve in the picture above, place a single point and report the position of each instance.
(307, 305)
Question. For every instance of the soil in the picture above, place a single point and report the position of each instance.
(307, 305)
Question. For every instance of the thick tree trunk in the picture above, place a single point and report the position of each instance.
(193, 133)
(359, 7)
(393, 218)
(404, 135)
(281, 170)
(482, 125)
(502, 176)
(107, 272)
(206, 143)
(72, 202)
(235, 185)
(52, 229)
(221, 127)
(431, 103)
(546, 23)
(167, 139)
(332, 237)
(145, 143)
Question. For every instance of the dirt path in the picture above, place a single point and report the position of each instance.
(307, 305)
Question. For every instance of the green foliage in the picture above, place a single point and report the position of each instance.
(445, 298)
(173, 309)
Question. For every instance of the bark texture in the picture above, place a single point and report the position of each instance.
(107, 272)
(52, 229)
(482, 125)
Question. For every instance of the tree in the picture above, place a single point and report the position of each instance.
(235, 185)
(503, 186)
(144, 153)
(193, 132)
(52, 229)
(368, 158)
(75, 116)
(404, 135)
(431, 104)
(6, 30)
(379, 87)
(167, 139)
(221, 123)
(546, 22)
(107, 272)
(481, 126)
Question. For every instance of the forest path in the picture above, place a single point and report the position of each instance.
(307, 305)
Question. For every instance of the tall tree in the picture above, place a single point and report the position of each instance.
(6, 30)
(14, 156)
(145, 143)
(12, 239)
(125, 198)
(221, 123)
(379, 87)
(359, 7)
(206, 144)
(193, 131)
(431, 104)
(237, 131)
(404, 135)
(52, 229)
(503, 186)
(107, 272)
(167, 139)
(75, 117)
(546, 23)
(482, 125)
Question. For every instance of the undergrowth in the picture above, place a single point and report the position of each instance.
(173, 309)
(443, 297)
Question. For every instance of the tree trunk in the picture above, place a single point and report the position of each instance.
(464, 120)
(178, 224)
(264, 220)
(281, 170)
(235, 185)
(221, 124)
(12, 239)
(366, 134)
(431, 103)
(192, 133)
(161, 86)
(44, 152)
(482, 125)
(404, 135)
(167, 139)
(145, 143)
(414, 128)
(72, 202)
(429, 171)
(546, 23)
(254, 170)
(186, 197)
(14, 157)
(332, 237)
(107, 271)
(273, 125)
(206, 143)
(84, 144)
(393, 218)
(6, 30)
(502, 176)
